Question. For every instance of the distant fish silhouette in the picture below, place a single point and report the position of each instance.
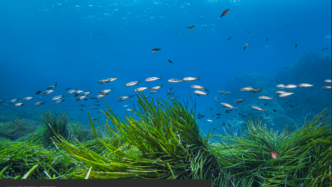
(224, 13)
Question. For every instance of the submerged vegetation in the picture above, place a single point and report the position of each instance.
(161, 140)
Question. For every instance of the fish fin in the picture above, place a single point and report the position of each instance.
(55, 85)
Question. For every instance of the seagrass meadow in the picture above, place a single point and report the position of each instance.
(161, 140)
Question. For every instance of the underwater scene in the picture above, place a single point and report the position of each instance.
(234, 91)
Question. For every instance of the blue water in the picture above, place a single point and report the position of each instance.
(76, 43)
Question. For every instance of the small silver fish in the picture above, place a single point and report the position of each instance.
(175, 80)
(103, 92)
(265, 98)
(47, 92)
(112, 79)
(156, 88)
(70, 92)
(198, 92)
(228, 106)
(102, 81)
(258, 108)
(305, 85)
(216, 98)
(328, 80)
(247, 89)
(125, 106)
(327, 87)
(1, 101)
(129, 110)
(281, 86)
(38, 103)
(101, 95)
(51, 87)
(96, 104)
(18, 104)
(80, 98)
(280, 92)
(286, 94)
(57, 97)
(132, 83)
(152, 79)
(58, 101)
(141, 89)
(199, 87)
(154, 91)
(124, 97)
(222, 92)
(13, 101)
(290, 86)
(27, 99)
(190, 78)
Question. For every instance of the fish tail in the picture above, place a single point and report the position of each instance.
(198, 78)
(160, 78)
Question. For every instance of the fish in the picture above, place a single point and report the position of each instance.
(274, 110)
(47, 92)
(247, 89)
(198, 92)
(295, 46)
(216, 98)
(124, 97)
(209, 120)
(27, 99)
(101, 95)
(245, 46)
(286, 94)
(226, 111)
(248, 31)
(170, 61)
(129, 110)
(18, 104)
(141, 89)
(68, 88)
(287, 24)
(13, 101)
(112, 79)
(218, 114)
(265, 104)
(258, 108)
(274, 153)
(96, 104)
(326, 87)
(132, 83)
(224, 13)
(229, 38)
(70, 92)
(155, 50)
(1, 101)
(58, 101)
(38, 103)
(81, 105)
(152, 79)
(223, 92)
(51, 87)
(277, 81)
(156, 88)
(95, 107)
(291, 105)
(102, 81)
(170, 89)
(92, 97)
(325, 48)
(125, 106)
(265, 98)
(267, 40)
(239, 100)
(199, 87)
(305, 85)
(190, 78)
(80, 98)
(170, 93)
(57, 97)
(281, 86)
(228, 106)
(328, 80)
(256, 90)
(290, 86)
(38, 92)
(191, 27)
(280, 92)
(154, 91)
(175, 80)
(104, 92)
